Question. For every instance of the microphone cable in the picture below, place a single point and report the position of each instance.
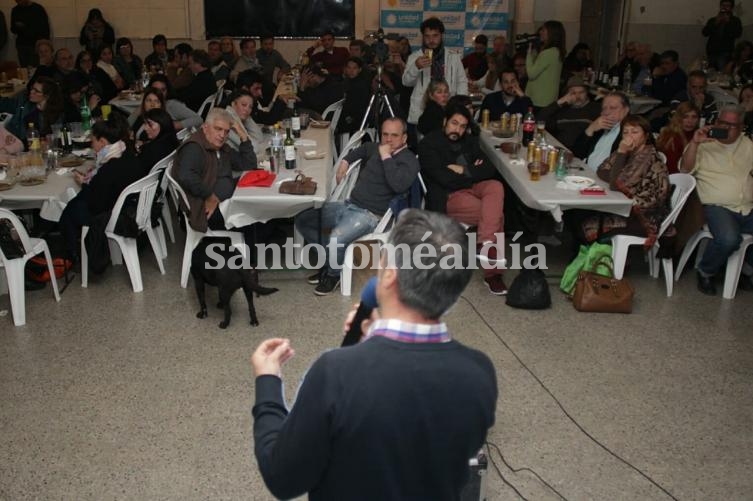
(564, 411)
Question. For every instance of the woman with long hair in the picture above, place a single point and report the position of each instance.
(104, 62)
(127, 63)
(229, 52)
(153, 99)
(435, 99)
(544, 66)
(674, 137)
(240, 107)
(96, 32)
(99, 82)
(161, 139)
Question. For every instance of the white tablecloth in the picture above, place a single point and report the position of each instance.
(253, 205)
(544, 194)
(50, 197)
(126, 105)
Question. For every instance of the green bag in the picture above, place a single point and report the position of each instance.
(587, 255)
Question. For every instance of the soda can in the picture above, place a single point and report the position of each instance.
(485, 119)
(551, 159)
(531, 152)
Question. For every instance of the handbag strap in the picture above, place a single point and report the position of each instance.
(605, 261)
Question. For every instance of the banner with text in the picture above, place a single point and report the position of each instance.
(463, 19)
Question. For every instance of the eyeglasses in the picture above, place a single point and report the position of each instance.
(728, 125)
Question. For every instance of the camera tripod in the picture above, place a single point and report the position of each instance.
(379, 100)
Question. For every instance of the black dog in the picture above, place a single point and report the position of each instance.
(227, 280)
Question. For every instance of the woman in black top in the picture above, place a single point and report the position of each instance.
(96, 32)
(45, 106)
(435, 100)
(161, 139)
(127, 63)
(153, 99)
(100, 82)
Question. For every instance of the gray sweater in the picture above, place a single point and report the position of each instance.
(379, 181)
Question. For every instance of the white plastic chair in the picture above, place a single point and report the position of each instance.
(127, 247)
(207, 105)
(219, 94)
(332, 114)
(193, 237)
(184, 134)
(162, 166)
(14, 268)
(734, 261)
(684, 184)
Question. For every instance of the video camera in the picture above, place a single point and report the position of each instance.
(522, 40)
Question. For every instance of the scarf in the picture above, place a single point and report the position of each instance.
(104, 155)
(437, 63)
(108, 68)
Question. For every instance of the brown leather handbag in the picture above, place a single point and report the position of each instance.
(301, 185)
(601, 294)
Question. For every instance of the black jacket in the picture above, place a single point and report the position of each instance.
(202, 86)
(436, 152)
(431, 119)
(103, 190)
(154, 151)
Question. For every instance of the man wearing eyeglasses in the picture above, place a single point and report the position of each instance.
(721, 159)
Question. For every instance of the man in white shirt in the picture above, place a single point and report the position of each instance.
(432, 62)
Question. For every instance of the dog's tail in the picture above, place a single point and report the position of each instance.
(264, 291)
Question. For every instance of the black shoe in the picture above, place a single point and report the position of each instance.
(327, 284)
(706, 284)
(746, 282)
(314, 279)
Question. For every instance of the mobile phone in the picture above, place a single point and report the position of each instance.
(718, 133)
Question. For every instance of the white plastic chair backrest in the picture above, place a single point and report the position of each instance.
(387, 218)
(423, 185)
(207, 105)
(335, 109)
(165, 163)
(178, 194)
(20, 230)
(184, 134)
(354, 142)
(146, 187)
(342, 191)
(219, 94)
(684, 185)
(662, 157)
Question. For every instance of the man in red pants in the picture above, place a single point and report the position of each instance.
(464, 184)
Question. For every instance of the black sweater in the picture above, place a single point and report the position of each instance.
(379, 420)
(436, 152)
(431, 119)
(104, 188)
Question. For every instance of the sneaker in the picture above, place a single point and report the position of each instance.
(327, 284)
(496, 285)
(706, 284)
(314, 279)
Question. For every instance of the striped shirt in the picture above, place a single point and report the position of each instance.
(408, 332)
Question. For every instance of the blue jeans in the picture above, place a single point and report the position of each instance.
(727, 228)
(346, 221)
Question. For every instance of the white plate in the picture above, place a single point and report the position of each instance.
(579, 181)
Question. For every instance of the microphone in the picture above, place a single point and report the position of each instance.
(365, 307)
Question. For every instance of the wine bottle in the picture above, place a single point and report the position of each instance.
(289, 146)
(295, 122)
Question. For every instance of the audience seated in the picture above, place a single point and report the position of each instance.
(183, 117)
(229, 54)
(435, 101)
(317, 90)
(46, 54)
(127, 63)
(330, 58)
(217, 64)
(511, 99)
(43, 107)
(74, 88)
(104, 62)
(64, 64)
(627, 58)
(269, 58)
(722, 168)
(247, 59)
(241, 104)
(568, 117)
(157, 60)
(519, 65)
(602, 136)
(462, 183)
(357, 84)
(674, 137)
(499, 52)
(577, 61)
(696, 93)
(265, 114)
(179, 70)
(741, 57)
(203, 84)
(98, 81)
(643, 68)
(160, 139)
(669, 79)
(475, 63)
(152, 99)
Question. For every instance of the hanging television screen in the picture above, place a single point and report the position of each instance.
(281, 18)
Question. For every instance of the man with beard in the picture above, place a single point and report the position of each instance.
(203, 84)
(464, 184)
(178, 71)
(569, 116)
(270, 58)
(511, 99)
(431, 62)
(330, 58)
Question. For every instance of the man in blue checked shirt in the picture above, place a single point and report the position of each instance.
(396, 416)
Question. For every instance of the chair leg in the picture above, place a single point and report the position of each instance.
(130, 252)
(155, 241)
(115, 255)
(84, 259)
(668, 274)
(14, 271)
(160, 232)
(687, 251)
(51, 269)
(167, 219)
(192, 239)
(346, 274)
(619, 257)
(734, 268)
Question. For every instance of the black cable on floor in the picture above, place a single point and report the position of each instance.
(504, 480)
(562, 407)
(518, 470)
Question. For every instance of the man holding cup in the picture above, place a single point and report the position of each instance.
(432, 62)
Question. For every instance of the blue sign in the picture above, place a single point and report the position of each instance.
(400, 19)
(454, 38)
(486, 21)
(445, 5)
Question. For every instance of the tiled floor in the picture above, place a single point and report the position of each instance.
(115, 395)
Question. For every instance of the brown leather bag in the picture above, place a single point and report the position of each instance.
(600, 294)
(301, 185)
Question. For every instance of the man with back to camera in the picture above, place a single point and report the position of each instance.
(202, 86)
(396, 416)
(722, 168)
(722, 31)
(464, 184)
(475, 62)
(29, 22)
(431, 62)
